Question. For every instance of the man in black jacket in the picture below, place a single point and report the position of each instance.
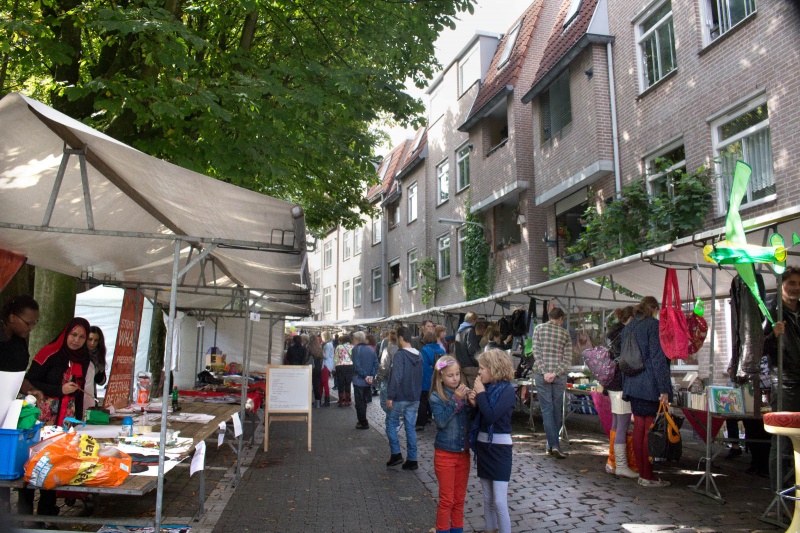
(789, 329)
(468, 347)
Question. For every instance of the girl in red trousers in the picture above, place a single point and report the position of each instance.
(451, 415)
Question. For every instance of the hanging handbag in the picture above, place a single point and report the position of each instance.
(696, 325)
(664, 436)
(672, 329)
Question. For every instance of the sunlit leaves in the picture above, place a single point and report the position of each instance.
(283, 106)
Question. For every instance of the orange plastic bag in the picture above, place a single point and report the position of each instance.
(73, 459)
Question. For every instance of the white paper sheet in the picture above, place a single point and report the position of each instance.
(220, 439)
(10, 383)
(12, 416)
(199, 458)
(237, 424)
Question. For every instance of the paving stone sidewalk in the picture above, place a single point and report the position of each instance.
(343, 485)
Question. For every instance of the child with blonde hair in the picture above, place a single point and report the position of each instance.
(451, 415)
(490, 436)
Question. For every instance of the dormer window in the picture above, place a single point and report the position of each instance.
(572, 12)
(510, 41)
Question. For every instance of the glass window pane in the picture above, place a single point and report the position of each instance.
(651, 21)
(744, 121)
(666, 43)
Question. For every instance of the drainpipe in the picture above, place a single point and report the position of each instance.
(614, 132)
(384, 277)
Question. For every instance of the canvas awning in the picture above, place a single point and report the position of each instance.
(115, 218)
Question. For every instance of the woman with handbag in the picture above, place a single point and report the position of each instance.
(620, 409)
(650, 387)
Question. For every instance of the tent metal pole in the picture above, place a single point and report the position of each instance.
(198, 350)
(248, 338)
(708, 477)
(778, 502)
(173, 304)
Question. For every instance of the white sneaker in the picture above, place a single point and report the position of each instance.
(655, 483)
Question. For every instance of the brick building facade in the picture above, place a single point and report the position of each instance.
(577, 97)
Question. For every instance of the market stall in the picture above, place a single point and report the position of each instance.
(78, 202)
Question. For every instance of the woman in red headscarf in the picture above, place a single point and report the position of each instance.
(58, 370)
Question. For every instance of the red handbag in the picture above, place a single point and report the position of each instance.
(696, 324)
(672, 329)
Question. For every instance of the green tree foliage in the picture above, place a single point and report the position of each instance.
(274, 95)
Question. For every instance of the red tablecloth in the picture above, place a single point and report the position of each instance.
(257, 397)
(699, 419)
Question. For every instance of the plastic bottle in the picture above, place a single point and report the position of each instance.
(127, 426)
(175, 406)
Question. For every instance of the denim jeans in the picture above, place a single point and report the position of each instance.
(551, 401)
(408, 410)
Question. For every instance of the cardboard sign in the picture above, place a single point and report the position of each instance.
(118, 390)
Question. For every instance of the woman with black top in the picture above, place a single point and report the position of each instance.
(96, 373)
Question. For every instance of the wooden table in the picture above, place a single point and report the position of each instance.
(140, 485)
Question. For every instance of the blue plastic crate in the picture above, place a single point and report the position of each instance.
(14, 445)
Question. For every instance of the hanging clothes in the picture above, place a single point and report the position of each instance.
(746, 330)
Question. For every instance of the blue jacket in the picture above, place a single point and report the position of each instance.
(405, 384)
(655, 378)
(430, 353)
(453, 426)
(365, 363)
(500, 414)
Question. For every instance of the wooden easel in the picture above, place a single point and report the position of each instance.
(288, 397)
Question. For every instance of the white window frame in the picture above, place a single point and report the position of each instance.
(642, 37)
(443, 256)
(509, 46)
(467, 74)
(327, 300)
(461, 236)
(412, 202)
(413, 268)
(327, 254)
(358, 235)
(377, 284)
(650, 167)
(393, 209)
(347, 245)
(317, 280)
(443, 182)
(346, 294)
(713, 30)
(377, 229)
(462, 161)
(357, 295)
(719, 144)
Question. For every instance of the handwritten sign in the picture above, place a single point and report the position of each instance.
(288, 397)
(289, 388)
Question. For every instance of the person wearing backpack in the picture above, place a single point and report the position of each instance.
(650, 387)
(468, 347)
(620, 409)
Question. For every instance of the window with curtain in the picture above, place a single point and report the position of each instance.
(744, 134)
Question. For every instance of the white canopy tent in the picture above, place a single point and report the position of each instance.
(112, 214)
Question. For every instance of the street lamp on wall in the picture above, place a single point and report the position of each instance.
(551, 243)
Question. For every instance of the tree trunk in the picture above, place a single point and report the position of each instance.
(56, 296)
(155, 352)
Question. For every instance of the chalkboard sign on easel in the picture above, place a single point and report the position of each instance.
(288, 397)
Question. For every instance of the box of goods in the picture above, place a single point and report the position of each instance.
(14, 445)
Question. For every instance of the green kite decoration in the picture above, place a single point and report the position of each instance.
(735, 251)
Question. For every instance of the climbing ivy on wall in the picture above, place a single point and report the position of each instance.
(427, 273)
(478, 275)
